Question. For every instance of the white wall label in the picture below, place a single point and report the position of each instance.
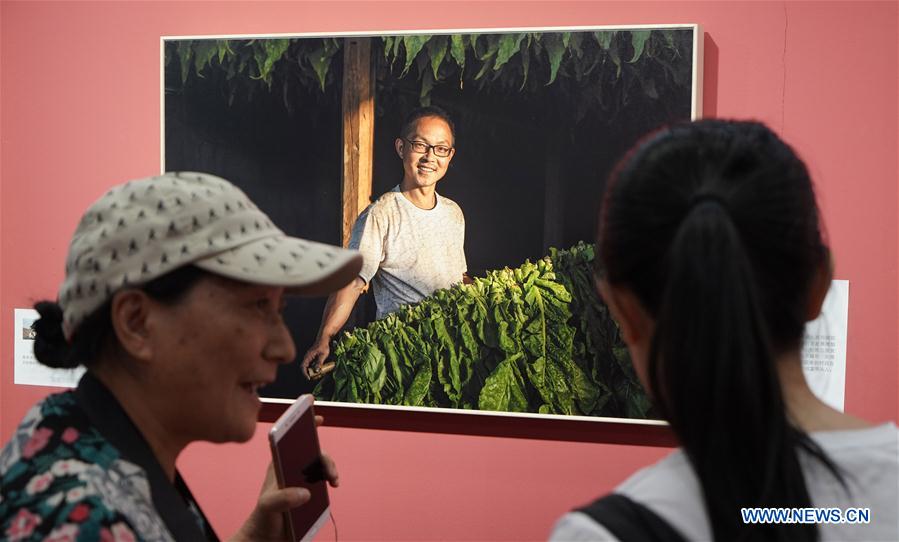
(824, 347)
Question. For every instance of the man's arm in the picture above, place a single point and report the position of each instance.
(337, 310)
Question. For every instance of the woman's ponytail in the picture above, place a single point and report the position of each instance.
(718, 385)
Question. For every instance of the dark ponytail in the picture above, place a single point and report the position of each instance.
(714, 227)
(96, 333)
(709, 331)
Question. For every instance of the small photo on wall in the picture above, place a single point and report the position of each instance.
(28, 332)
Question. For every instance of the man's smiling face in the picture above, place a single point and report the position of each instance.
(425, 169)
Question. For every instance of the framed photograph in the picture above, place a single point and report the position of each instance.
(307, 125)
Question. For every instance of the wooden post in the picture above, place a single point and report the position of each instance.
(358, 130)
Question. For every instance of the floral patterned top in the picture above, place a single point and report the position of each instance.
(78, 469)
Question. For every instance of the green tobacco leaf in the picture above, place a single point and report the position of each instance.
(437, 52)
(484, 69)
(615, 56)
(560, 393)
(574, 43)
(184, 52)
(374, 370)
(413, 45)
(169, 53)
(468, 342)
(394, 365)
(457, 50)
(448, 370)
(320, 59)
(266, 52)
(412, 347)
(504, 389)
(525, 65)
(508, 46)
(204, 51)
(638, 39)
(223, 50)
(586, 393)
(669, 38)
(559, 293)
(392, 52)
(275, 49)
(555, 50)
(475, 42)
(536, 373)
(418, 391)
(604, 38)
(388, 46)
(491, 48)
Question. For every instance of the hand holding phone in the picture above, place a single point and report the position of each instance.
(298, 462)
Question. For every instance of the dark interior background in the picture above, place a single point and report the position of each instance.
(507, 145)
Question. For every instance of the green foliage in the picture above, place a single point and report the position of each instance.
(638, 39)
(554, 50)
(412, 45)
(531, 339)
(247, 66)
(585, 65)
(320, 59)
(509, 45)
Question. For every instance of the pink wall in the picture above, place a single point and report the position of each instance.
(80, 111)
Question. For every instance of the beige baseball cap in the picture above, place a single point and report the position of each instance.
(143, 229)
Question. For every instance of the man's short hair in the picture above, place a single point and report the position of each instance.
(428, 111)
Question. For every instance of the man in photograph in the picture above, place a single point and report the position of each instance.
(411, 238)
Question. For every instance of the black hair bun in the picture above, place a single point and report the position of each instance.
(50, 345)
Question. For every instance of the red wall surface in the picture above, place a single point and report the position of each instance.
(80, 111)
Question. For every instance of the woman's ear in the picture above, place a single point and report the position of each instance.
(820, 286)
(130, 314)
(635, 323)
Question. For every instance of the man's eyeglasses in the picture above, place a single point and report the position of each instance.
(421, 147)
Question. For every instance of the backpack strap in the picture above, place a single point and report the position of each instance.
(629, 520)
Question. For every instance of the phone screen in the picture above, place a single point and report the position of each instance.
(299, 459)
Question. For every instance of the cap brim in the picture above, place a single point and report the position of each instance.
(302, 267)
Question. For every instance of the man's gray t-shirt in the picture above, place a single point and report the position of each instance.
(409, 252)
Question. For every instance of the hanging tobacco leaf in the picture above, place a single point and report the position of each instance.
(507, 47)
(555, 48)
(320, 59)
(638, 40)
(412, 45)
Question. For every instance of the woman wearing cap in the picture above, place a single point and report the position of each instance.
(172, 300)
(711, 259)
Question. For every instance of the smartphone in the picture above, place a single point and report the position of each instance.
(296, 458)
